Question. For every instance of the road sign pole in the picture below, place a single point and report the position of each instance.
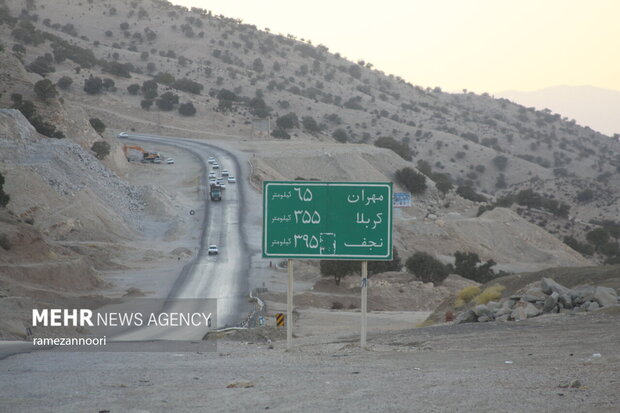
(364, 301)
(289, 307)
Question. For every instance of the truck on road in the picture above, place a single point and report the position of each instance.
(215, 192)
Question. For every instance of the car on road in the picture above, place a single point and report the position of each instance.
(212, 250)
(123, 135)
(232, 180)
(225, 172)
(211, 160)
(215, 166)
(169, 161)
(212, 180)
(211, 174)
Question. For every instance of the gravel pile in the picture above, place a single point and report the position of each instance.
(544, 297)
(67, 167)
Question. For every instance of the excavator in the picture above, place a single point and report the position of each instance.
(146, 156)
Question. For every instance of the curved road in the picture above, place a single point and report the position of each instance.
(223, 276)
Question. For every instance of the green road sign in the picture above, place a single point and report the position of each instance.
(327, 220)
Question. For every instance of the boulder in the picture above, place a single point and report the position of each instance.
(483, 311)
(550, 302)
(524, 311)
(582, 294)
(466, 317)
(533, 295)
(565, 301)
(605, 296)
(548, 286)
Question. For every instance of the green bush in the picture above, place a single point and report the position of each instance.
(426, 268)
(310, 124)
(4, 242)
(64, 82)
(466, 265)
(413, 181)
(187, 109)
(288, 121)
(4, 197)
(280, 134)
(400, 148)
(45, 89)
(468, 192)
(101, 149)
(97, 125)
(340, 135)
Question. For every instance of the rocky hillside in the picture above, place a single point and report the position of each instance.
(149, 65)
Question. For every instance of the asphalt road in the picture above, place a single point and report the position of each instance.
(223, 276)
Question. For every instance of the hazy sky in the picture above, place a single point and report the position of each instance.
(481, 45)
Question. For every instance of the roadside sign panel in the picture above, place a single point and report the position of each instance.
(327, 220)
(402, 200)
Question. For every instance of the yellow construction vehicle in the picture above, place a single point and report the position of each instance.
(146, 156)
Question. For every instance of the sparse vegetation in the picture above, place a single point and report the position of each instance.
(413, 181)
(97, 125)
(493, 293)
(4, 197)
(187, 109)
(101, 149)
(400, 148)
(426, 268)
(45, 89)
(467, 264)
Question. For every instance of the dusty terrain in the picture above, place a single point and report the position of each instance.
(550, 364)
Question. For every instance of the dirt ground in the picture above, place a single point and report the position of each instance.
(506, 367)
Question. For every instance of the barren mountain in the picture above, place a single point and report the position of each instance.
(307, 113)
(592, 106)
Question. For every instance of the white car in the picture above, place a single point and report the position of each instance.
(215, 166)
(211, 174)
(211, 160)
(123, 135)
(232, 180)
(212, 250)
(225, 172)
(212, 180)
(169, 161)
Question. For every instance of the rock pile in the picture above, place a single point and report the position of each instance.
(546, 296)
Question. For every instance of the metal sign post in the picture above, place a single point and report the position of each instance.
(289, 307)
(327, 221)
(364, 302)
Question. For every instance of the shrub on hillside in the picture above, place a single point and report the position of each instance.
(426, 268)
(468, 192)
(413, 181)
(466, 264)
(586, 195)
(288, 121)
(97, 125)
(187, 109)
(101, 149)
(4, 197)
(167, 101)
(64, 82)
(310, 124)
(466, 295)
(93, 85)
(400, 148)
(493, 293)
(45, 89)
(280, 134)
(133, 89)
(500, 162)
(340, 135)
(4, 242)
